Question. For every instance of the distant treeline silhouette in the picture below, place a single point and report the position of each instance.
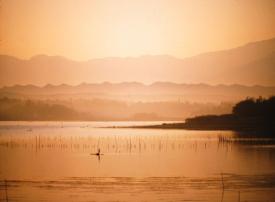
(103, 109)
(15, 109)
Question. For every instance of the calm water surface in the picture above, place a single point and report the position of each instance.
(52, 161)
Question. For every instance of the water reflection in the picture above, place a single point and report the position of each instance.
(153, 188)
(44, 161)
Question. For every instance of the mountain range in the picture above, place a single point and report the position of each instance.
(251, 64)
(138, 92)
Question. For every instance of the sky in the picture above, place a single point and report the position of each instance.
(87, 29)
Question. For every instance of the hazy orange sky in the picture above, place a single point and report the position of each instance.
(86, 29)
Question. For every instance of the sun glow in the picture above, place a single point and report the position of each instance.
(103, 28)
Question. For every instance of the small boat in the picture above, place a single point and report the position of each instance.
(98, 153)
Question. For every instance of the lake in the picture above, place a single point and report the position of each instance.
(52, 161)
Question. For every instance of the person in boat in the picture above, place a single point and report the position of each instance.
(98, 152)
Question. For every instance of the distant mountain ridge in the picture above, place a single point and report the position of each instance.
(134, 91)
(251, 64)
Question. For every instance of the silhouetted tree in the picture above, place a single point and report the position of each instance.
(255, 108)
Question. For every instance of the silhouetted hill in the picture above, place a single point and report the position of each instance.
(251, 64)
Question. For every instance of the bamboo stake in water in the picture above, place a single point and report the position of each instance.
(222, 187)
(6, 188)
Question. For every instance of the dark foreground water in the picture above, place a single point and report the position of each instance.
(52, 161)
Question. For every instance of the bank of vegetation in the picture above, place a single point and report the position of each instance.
(248, 115)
